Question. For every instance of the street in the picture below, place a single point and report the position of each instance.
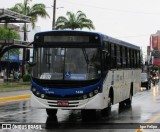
(145, 109)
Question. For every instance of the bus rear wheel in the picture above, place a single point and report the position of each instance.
(51, 112)
(129, 101)
(126, 103)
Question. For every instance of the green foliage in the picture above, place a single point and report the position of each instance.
(35, 11)
(8, 34)
(26, 77)
(74, 21)
(156, 68)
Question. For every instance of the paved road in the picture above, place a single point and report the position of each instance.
(145, 109)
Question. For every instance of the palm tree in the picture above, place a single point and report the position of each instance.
(34, 12)
(74, 21)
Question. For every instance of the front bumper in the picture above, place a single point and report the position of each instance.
(95, 102)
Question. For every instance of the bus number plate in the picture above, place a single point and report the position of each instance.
(62, 103)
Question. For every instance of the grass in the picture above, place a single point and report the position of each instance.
(14, 84)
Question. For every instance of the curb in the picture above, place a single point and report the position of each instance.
(14, 98)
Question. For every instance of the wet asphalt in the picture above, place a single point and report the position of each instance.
(145, 109)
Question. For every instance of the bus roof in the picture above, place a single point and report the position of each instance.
(103, 37)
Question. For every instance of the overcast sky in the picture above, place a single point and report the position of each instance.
(129, 20)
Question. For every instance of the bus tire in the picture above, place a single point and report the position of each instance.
(51, 112)
(121, 104)
(128, 101)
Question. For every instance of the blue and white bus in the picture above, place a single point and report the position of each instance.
(87, 71)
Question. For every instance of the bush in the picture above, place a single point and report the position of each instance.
(26, 77)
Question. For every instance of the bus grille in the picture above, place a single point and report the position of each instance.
(67, 97)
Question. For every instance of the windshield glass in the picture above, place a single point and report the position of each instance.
(67, 63)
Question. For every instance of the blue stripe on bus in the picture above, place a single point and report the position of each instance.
(68, 91)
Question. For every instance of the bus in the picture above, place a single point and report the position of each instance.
(83, 70)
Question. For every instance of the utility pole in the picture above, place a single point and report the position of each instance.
(25, 38)
(54, 14)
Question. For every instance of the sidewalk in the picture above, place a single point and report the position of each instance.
(14, 93)
(8, 94)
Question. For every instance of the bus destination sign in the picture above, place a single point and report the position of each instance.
(72, 39)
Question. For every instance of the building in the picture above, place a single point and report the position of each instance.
(154, 49)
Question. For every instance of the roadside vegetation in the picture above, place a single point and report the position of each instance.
(20, 84)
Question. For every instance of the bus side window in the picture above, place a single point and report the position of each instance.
(118, 56)
(130, 58)
(138, 59)
(106, 56)
(109, 56)
(133, 63)
(113, 56)
(121, 58)
(135, 58)
(124, 57)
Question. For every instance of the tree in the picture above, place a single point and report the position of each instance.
(74, 21)
(35, 11)
(8, 34)
(5, 33)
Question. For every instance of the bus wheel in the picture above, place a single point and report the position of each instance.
(129, 101)
(51, 112)
(107, 111)
(88, 114)
(121, 104)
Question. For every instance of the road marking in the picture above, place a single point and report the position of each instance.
(13, 98)
(153, 119)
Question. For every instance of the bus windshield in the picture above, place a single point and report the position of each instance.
(67, 63)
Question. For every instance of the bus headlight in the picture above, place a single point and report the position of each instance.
(33, 89)
(95, 91)
(37, 93)
(90, 94)
(42, 96)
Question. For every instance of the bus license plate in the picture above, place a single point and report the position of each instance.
(62, 103)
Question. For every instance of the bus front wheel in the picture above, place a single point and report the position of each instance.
(51, 112)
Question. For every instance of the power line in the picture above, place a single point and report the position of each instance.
(113, 10)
